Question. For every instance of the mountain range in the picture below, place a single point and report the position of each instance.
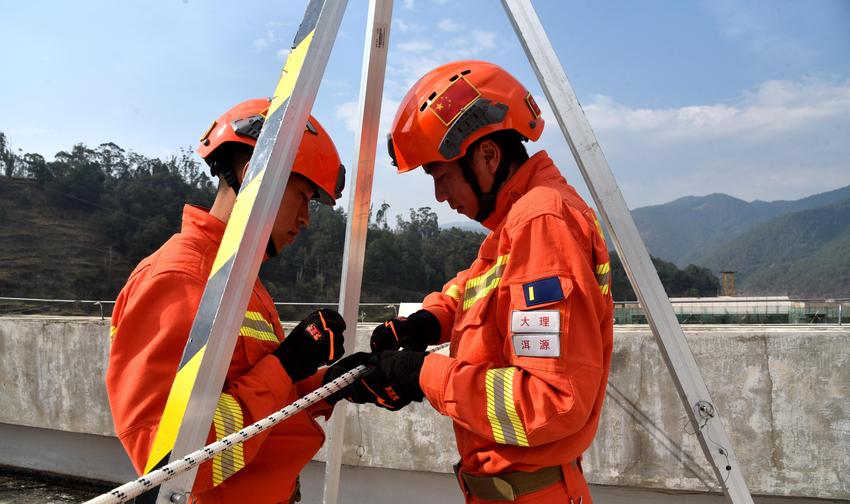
(799, 248)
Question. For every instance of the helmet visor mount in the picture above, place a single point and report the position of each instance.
(391, 148)
(248, 126)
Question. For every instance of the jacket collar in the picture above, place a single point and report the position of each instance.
(198, 221)
(538, 170)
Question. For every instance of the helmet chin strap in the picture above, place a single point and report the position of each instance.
(486, 201)
(230, 177)
(271, 250)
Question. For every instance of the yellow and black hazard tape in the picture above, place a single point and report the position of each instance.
(178, 398)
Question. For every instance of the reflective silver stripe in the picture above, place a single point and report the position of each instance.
(501, 409)
(256, 326)
(479, 287)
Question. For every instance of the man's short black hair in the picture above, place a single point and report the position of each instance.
(509, 141)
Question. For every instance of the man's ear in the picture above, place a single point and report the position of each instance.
(489, 156)
(239, 161)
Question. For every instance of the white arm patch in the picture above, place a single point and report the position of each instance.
(536, 333)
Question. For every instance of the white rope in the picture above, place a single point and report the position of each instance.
(155, 478)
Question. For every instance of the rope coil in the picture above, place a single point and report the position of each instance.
(155, 478)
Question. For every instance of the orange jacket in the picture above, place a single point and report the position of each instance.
(531, 330)
(150, 324)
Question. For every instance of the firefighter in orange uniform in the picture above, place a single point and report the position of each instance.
(530, 322)
(154, 312)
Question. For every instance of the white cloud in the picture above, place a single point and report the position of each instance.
(269, 37)
(781, 140)
(484, 39)
(348, 114)
(415, 46)
(422, 55)
(772, 108)
(408, 4)
(449, 25)
(266, 40)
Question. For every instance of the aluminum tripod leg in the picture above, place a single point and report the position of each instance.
(187, 417)
(597, 174)
(371, 94)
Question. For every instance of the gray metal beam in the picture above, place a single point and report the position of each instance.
(375, 50)
(216, 326)
(632, 251)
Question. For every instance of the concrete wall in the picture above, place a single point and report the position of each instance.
(783, 392)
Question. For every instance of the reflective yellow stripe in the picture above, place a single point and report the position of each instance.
(257, 327)
(603, 277)
(491, 408)
(453, 292)
(477, 288)
(501, 410)
(599, 228)
(112, 331)
(510, 407)
(227, 420)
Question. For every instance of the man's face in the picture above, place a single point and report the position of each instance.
(294, 211)
(451, 187)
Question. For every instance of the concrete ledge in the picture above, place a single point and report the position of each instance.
(783, 392)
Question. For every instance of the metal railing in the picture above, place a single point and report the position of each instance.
(766, 310)
(754, 310)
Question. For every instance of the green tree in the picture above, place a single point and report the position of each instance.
(693, 281)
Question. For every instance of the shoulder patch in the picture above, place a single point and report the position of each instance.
(536, 333)
(542, 291)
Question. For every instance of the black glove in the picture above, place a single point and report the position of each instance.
(415, 333)
(393, 383)
(317, 340)
(356, 392)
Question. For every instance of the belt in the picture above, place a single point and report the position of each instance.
(510, 485)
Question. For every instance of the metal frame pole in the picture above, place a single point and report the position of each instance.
(216, 326)
(659, 312)
(371, 93)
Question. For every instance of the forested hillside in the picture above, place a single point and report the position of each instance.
(74, 227)
(688, 229)
(804, 254)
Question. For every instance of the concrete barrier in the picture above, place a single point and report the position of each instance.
(783, 392)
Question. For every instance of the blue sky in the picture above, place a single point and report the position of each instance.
(750, 98)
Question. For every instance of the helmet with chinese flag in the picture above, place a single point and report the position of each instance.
(454, 105)
(316, 159)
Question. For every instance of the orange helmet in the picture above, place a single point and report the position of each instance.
(316, 159)
(456, 104)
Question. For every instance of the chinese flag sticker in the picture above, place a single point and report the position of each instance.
(453, 100)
